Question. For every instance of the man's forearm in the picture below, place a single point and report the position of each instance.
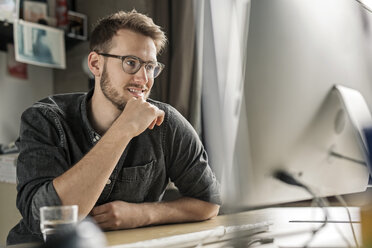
(122, 215)
(185, 209)
(84, 182)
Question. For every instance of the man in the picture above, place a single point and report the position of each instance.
(113, 150)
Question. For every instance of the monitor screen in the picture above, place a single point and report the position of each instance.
(308, 67)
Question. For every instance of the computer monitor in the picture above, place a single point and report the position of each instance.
(293, 116)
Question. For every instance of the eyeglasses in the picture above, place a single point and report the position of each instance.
(132, 64)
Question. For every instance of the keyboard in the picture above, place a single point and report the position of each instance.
(217, 234)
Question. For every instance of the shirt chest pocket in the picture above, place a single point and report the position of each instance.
(132, 183)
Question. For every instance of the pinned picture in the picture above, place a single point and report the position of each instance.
(9, 10)
(39, 45)
(34, 11)
(15, 69)
(77, 25)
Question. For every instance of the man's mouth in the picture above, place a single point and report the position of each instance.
(137, 92)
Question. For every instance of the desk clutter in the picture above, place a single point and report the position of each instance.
(8, 168)
(8, 162)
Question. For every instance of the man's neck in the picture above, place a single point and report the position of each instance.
(101, 113)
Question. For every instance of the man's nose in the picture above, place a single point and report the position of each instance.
(141, 75)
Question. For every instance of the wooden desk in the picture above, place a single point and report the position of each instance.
(284, 232)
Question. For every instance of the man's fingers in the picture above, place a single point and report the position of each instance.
(99, 210)
(106, 226)
(100, 218)
(152, 125)
(160, 118)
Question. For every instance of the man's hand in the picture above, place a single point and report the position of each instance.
(117, 215)
(138, 115)
(123, 215)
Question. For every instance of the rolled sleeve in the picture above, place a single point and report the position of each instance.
(41, 159)
(187, 161)
(46, 195)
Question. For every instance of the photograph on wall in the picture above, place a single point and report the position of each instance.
(39, 45)
(34, 11)
(77, 25)
(9, 10)
(38, 12)
(15, 69)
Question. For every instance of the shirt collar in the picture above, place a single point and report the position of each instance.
(93, 135)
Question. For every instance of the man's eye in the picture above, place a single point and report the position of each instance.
(150, 67)
(131, 63)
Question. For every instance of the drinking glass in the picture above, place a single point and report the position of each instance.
(57, 218)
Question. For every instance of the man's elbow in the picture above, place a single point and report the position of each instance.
(210, 212)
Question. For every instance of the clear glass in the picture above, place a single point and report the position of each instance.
(54, 218)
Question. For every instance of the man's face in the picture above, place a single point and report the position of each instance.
(118, 86)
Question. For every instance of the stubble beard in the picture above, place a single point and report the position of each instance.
(109, 92)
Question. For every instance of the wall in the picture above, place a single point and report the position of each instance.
(73, 79)
(15, 96)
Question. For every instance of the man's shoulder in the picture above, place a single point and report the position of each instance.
(167, 108)
(161, 105)
(61, 101)
(58, 103)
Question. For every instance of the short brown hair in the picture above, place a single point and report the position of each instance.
(106, 28)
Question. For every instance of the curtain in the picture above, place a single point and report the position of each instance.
(178, 84)
(224, 32)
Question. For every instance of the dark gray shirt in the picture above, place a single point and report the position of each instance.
(55, 134)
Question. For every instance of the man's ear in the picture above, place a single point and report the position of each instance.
(95, 64)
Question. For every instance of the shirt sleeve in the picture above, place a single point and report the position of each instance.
(187, 160)
(41, 159)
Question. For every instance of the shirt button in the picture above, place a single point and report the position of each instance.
(108, 181)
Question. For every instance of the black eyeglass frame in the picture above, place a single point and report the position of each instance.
(142, 62)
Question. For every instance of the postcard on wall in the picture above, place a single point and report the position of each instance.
(15, 68)
(77, 25)
(9, 10)
(34, 11)
(39, 45)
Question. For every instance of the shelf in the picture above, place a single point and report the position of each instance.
(6, 36)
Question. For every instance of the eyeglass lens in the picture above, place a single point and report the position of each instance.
(132, 65)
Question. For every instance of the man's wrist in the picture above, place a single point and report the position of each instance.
(148, 211)
(120, 132)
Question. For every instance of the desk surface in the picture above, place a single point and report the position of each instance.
(284, 232)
